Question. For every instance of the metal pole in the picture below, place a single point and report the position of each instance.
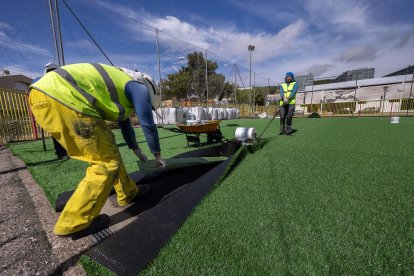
(310, 111)
(235, 84)
(356, 85)
(250, 84)
(383, 100)
(206, 78)
(52, 21)
(254, 93)
(268, 93)
(409, 98)
(159, 75)
(61, 55)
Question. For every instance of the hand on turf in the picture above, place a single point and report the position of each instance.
(142, 157)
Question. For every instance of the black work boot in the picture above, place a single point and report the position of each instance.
(98, 224)
(282, 130)
(289, 130)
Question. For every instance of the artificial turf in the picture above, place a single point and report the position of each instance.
(336, 197)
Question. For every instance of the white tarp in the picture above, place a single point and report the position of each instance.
(368, 93)
(181, 115)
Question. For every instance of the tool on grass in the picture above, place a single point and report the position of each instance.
(267, 126)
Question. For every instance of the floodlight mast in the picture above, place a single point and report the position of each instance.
(250, 48)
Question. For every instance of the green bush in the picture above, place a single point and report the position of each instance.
(314, 115)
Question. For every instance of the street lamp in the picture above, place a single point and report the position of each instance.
(250, 48)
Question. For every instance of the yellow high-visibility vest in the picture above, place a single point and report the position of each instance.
(89, 88)
(287, 91)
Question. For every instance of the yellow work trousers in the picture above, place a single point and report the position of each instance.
(89, 139)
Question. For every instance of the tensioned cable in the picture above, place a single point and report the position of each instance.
(84, 28)
(161, 31)
(12, 39)
(225, 84)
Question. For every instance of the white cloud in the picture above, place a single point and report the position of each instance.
(5, 26)
(323, 37)
(83, 44)
(365, 53)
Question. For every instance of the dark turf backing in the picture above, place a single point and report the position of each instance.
(172, 198)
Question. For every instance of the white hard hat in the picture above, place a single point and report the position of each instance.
(50, 67)
(146, 80)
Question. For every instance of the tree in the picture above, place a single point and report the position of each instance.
(259, 100)
(176, 85)
(192, 77)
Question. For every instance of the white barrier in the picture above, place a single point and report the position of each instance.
(171, 116)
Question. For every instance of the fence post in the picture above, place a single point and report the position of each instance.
(409, 98)
(32, 119)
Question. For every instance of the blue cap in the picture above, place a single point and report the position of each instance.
(290, 74)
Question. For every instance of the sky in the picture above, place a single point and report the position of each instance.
(322, 37)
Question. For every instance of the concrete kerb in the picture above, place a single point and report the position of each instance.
(65, 250)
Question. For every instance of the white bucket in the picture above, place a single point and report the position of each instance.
(394, 120)
(245, 134)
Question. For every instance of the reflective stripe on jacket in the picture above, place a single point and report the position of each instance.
(287, 90)
(89, 88)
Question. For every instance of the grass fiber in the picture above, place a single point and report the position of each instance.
(336, 197)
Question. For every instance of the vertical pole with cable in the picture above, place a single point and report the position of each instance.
(52, 21)
(250, 83)
(59, 33)
(206, 79)
(235, 84)
(254, 93)
(159, 75)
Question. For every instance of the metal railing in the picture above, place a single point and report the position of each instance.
(16, 122)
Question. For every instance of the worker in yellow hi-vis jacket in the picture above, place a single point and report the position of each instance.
(287, 103)
(72, 103)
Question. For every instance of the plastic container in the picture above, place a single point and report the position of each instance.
(394, 120)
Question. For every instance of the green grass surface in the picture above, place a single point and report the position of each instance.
(337, 197)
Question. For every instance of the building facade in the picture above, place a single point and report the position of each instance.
(303, 81)
(357, 74)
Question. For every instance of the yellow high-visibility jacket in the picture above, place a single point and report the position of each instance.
(89, 88)
(287, 89)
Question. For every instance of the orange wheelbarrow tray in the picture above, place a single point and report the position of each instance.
(200, 128)
(192, 132)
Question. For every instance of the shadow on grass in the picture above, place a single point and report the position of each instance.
(141, 142)
(46, 162)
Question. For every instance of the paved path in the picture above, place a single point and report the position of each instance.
(27, 244)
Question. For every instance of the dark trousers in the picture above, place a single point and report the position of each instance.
(286, 115)
(59, 150)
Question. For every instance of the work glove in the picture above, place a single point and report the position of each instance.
(285, 100)
(142, 157)
(159, 161)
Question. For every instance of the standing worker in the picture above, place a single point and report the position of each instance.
(60, 151)
(287, 103)
(72, 103)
